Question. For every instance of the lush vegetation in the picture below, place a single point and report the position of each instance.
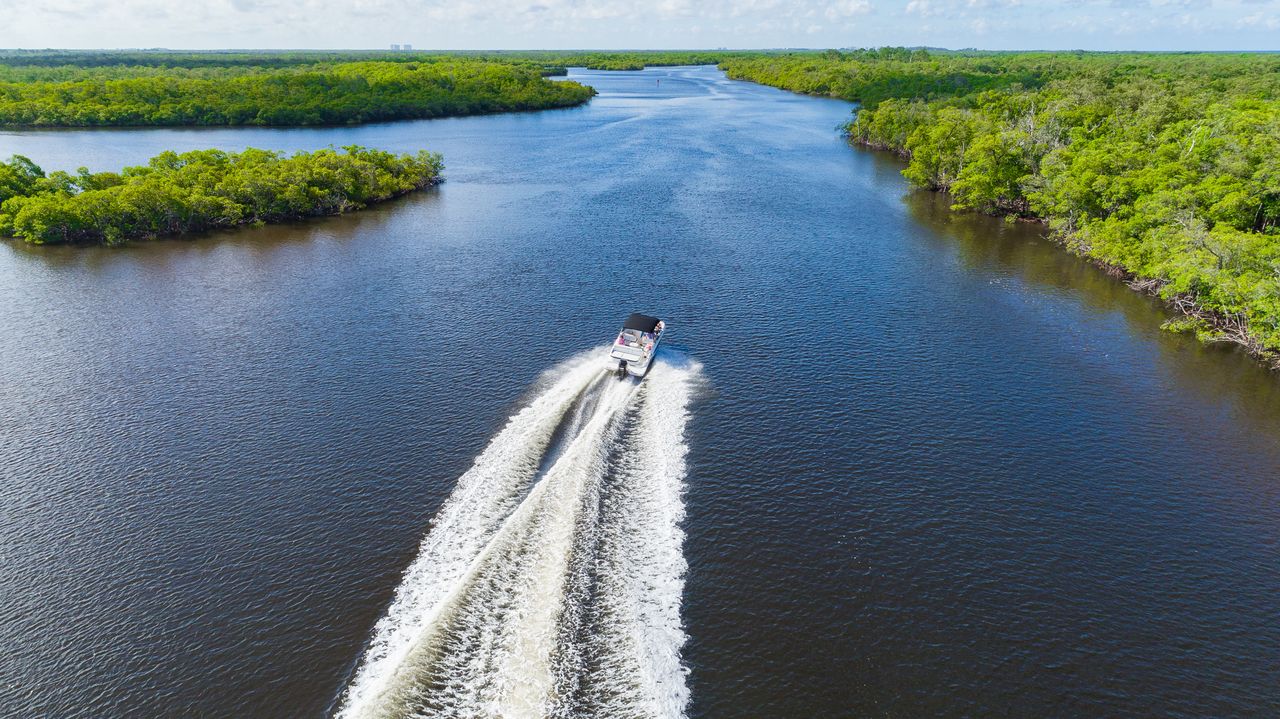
(201, 190)
(226, 89)
(1166, 167)
(629, 60)
(870, 76)
(53, 88)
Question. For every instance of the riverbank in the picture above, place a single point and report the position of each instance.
(1160, 168)
(319, 92)
(201, 190)
(1208, 326)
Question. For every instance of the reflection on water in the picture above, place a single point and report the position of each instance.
(1024, 252)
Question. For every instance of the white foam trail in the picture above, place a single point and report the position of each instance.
(519, 591)
(532, 635)
(633, 636)
(656, 566)
(482, 498)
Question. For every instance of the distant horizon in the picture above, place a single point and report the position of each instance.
(471, 25)
(815, 48)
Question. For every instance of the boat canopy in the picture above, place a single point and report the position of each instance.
(644, 323)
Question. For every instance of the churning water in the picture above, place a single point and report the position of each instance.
(549, 583)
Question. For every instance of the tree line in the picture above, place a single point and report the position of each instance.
(63, 88)
(869, 76)
(305, 94)
(200, 190)
(1164, 166)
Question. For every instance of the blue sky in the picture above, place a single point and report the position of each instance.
(556, 24)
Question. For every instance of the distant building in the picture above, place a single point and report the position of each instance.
(395, 47)
(407, 46)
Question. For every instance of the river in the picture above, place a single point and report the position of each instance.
(916, 463)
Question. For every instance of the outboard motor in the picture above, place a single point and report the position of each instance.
(622, 369)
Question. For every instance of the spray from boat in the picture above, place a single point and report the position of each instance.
(549, 583)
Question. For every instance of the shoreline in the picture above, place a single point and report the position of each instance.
(315, 125)
(183, 194)
(223, 228)
(1209, 327)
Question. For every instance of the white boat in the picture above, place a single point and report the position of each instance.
(636, 344)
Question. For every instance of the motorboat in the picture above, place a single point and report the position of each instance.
(636, 344)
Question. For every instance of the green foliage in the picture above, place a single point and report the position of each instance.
(52, 88)
(871, 76)
(631, 60)
(315, 93)
(19, 176)
(201, 190)
(1165, 165)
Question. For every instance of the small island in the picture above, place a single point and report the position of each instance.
(177, 193)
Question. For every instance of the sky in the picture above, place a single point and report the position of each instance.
(647, 24)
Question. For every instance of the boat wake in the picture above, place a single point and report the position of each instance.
(549, 583)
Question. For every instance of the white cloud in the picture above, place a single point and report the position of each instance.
(847, 8)
(922, 7)
(485, 24)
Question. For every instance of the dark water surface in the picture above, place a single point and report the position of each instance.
(938, 467)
